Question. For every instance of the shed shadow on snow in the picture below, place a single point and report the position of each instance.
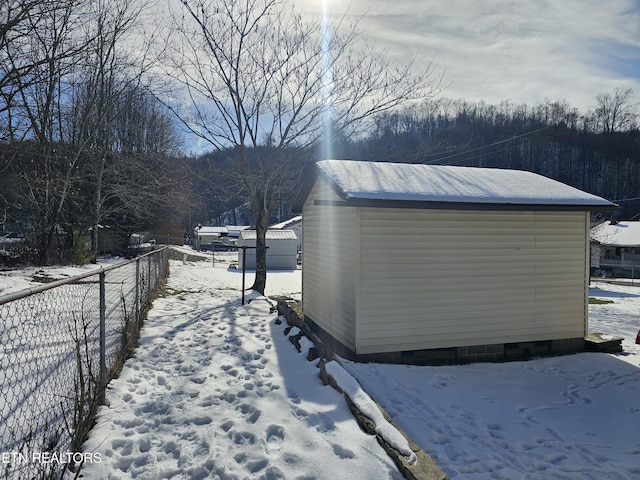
(329, 405)
(598, 292)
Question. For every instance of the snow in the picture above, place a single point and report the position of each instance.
(277, 234)
(14, 280)
(438, 183)
(620, 234)
(287, 223)
(216, 390)
(367, 406)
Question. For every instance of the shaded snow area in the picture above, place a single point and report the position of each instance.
(217, 391)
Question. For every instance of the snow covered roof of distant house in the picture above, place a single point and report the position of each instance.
(234, 230)
(230, 230)
(618, 234)
(211, 230)
(271, 234)
(361, 183)
(287, 223)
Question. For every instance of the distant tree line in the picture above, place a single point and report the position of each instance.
(597, 151)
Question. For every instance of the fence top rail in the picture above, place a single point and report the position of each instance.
(10, 297)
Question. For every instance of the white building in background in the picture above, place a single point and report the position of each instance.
(282, 251)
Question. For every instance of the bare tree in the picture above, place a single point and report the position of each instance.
(18, 20)
(81, 126)
(40, 63)
(106, 93)
(262, 83)
(616, 111)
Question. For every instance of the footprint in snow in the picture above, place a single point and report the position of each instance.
(273, 473)
(275, 436)
(242, 438)
(255, 466)
(343, 453)
(201, 420)
(323, 423)
(299, 413)
(252, 413)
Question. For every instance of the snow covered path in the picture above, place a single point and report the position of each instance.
(216, 390)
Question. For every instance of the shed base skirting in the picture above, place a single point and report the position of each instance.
(462, 354)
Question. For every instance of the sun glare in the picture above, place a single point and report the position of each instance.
(327, 82)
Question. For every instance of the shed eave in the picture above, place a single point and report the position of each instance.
(441, 205)
(311, 174)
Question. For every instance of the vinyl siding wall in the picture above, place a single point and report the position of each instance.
(436, 278)
(329, 274)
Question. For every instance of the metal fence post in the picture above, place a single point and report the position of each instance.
(244, 269)
(149, 287)
(137, 300)
(103, 335)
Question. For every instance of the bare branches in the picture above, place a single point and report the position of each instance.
(261, 82)
(257, 74)
(616, 111)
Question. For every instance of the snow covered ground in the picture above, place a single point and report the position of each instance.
(217, 391)
(567, 417)
(15, 280)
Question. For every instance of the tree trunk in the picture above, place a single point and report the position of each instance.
(262, 224)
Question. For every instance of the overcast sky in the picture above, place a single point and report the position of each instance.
(518, 50)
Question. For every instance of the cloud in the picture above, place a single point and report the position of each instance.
(494, 50)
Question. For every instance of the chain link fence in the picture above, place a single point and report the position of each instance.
(618, 269)
(60, 344)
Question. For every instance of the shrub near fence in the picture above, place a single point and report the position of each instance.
(60, 344)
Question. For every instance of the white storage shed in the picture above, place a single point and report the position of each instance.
(281, 253)
(408, 257)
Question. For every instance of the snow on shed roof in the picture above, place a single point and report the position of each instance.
(620, 234)
(432, 186)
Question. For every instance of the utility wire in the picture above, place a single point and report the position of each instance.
(437, 160)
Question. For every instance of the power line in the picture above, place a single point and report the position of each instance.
(438, 160)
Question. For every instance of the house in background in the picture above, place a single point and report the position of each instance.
(490, 263)
(214, 238)
(203, 237)
(615, 249)
(281, 252)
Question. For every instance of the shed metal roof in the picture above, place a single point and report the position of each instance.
(361, 183)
